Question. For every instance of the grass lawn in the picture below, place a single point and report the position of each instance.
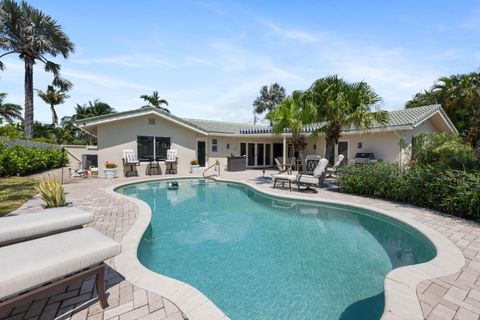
(15, 191)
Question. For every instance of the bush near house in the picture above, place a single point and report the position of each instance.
(451, 191)
(444, 175)
(22, 160)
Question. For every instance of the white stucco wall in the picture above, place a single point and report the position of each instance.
(122, 134)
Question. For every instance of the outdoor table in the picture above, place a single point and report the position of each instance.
(153, 165)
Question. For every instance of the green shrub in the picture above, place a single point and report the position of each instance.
(444, 150)
(455, 192)
(51, 191)
(22, 160)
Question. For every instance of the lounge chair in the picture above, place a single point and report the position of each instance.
(282, 168)
(34, 267)
(316, 178)
(333, 170)
(25, 227)
(171, 161)
(130, 162)
(52, 257)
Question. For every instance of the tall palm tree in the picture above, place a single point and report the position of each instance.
(341, 104)
(154, 100)
(9, 111)
(92, 109)
(53, 98)
(270, 97)
(292, 115)
(32, 34)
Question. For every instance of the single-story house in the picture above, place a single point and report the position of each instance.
(151, 132)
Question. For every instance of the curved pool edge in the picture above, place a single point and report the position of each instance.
(401, 301)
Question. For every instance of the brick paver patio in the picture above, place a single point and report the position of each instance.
(455, 296)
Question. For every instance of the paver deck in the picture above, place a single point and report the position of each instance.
(456, 296)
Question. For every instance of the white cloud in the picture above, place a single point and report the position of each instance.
(290, 34)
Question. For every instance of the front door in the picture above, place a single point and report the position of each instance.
(201, 154)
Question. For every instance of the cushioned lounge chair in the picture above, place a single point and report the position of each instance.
(34, 267)
(29, 226)
(333, 170)
(40, 252)
(316, 178)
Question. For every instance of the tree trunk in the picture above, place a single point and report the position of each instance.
(329, 148)
(54, 115)
(28, 122)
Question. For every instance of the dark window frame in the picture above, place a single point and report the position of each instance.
(157, 150)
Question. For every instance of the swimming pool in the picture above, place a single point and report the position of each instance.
(262, 257)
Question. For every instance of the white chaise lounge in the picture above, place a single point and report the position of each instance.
(56, 258)
(25, 227)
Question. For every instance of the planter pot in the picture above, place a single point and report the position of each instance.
(110, 173)
(195, 168)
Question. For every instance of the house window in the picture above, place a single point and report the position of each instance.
(151, 121)
(228, 146)
(152, 147)
(214, 145)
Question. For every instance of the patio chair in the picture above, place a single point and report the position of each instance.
(282, 167)
(171, 161)
(311, 162)
(316, 179)
(130, 162)
(333, 170)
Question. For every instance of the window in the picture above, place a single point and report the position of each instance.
(151, 121)
(152, 147)
(214, 145)
(228, 146)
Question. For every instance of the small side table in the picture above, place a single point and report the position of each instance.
(153, 165)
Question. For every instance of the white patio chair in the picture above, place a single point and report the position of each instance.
(171, 161)
(333, 170)
(130, 161)
(316, 179)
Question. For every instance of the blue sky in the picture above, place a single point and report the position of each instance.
(209, 59)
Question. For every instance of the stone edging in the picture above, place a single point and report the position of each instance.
(400, 284)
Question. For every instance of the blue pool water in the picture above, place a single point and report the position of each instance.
(259, 257)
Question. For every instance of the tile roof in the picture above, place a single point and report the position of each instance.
(400, 118)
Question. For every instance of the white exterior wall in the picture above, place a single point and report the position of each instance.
(122, 134)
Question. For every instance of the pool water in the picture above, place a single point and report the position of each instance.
(261, 257)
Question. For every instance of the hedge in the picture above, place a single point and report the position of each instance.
(455, 192)
(22, 160)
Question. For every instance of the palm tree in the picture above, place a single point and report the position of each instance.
(32, 34)
(9, 111)
(459, 95)
(93, 109)
(155, 101)
(270, 97)
(340, 104)
(292, 115)
(53, 98)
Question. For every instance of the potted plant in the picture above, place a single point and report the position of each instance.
(110, 170)
(194, 166)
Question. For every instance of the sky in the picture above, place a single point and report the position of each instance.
(209, 59)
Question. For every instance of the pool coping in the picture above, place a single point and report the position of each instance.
(401, 301)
